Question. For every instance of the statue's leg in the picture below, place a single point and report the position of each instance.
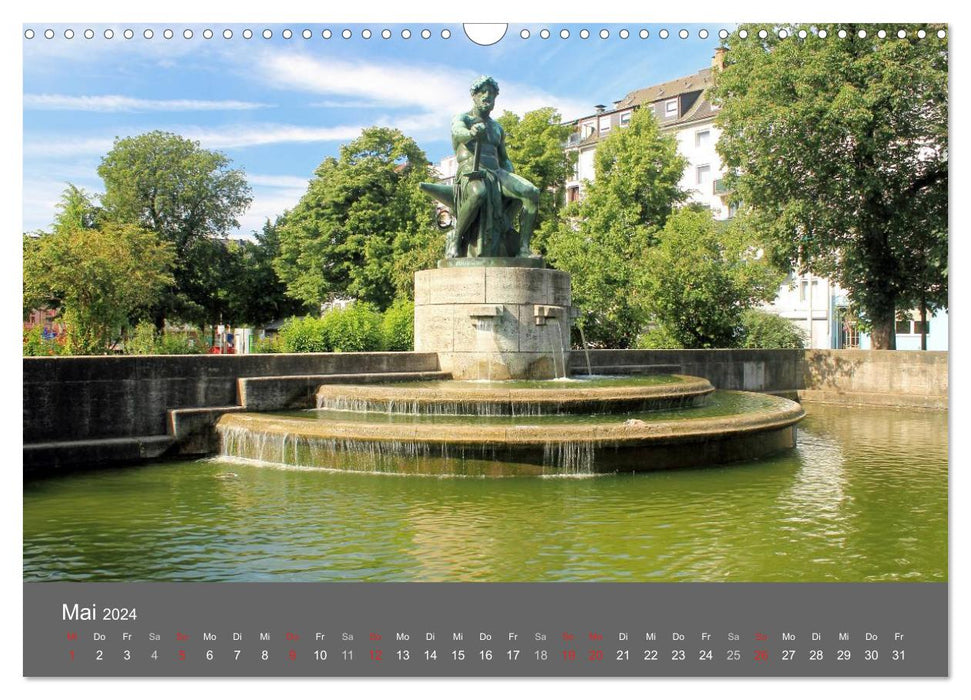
(473, 197)
(526, 193)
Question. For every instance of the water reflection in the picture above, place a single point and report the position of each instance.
(863, 497)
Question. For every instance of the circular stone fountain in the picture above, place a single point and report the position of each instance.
(561, 427)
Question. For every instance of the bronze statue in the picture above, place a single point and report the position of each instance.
(488, 198)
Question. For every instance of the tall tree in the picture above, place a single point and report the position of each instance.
(601, 242)
(535, 146)
(186, 194)
(97, 275)
(363, 227)
(700, 278)
(257, 295)
(839, 147)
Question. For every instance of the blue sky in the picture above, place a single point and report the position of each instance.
(277, 107)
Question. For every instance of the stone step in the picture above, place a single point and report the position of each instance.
(579, 366)
(45, 457)
(192, 428)
(299, 392)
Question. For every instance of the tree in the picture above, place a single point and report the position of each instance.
(601, 243)
(839, 147)
(535, 146)
(75, 210)
(187, 195)
(363, 227)
(256, 294)
(700, 278)
(97, 275)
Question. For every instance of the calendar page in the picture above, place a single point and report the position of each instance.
(443, 350)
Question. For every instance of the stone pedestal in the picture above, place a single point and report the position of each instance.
(494, 320)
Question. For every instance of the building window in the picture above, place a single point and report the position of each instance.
(703, 174)
(671, 108)
(702, 138)
(908, 327)
(588, 129)
(604, 125)
(625, 118)
(573, 194)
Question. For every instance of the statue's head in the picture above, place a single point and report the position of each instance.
(484, 91)
(483, 82)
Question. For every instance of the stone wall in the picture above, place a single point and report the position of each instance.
(877, 377)
(83, 398)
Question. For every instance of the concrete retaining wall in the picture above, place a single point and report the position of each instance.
(877, 377)
(79, 406)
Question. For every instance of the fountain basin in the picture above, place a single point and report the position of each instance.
(603, 395)
(508, 445)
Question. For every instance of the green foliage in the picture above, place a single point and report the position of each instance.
(76, 210)
(98, 277)
(657, 338)
(141, 339)
(173, 343)
(761, 329)
(840, 148)
(306, 334)
(358, 327)
(700, 277)
(363, 227)
(190, 198)
(255, 295)
(270, 344)
(398, 325)
(35, 345)
(145, 340)
(601, 242)
(355, 328)
(534, 143)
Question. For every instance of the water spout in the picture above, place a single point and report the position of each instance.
(586, 349)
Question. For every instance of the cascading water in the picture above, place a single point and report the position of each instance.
(554, 427)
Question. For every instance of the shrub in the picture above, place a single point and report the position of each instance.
(657, 338)
(305, 334)
(141, 339)
(398, 326)
(145, 340)
(179, 344)
(355, 328)
(268, 345)
(35, 345)
(761, 329)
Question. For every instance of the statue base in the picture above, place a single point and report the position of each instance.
(502, 319)
(531, 262)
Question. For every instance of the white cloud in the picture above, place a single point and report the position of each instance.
(225, 137)
(266, 134)
(437, 89)
(387, 84)
(121, 103)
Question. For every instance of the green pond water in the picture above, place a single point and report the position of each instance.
(862, 498)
